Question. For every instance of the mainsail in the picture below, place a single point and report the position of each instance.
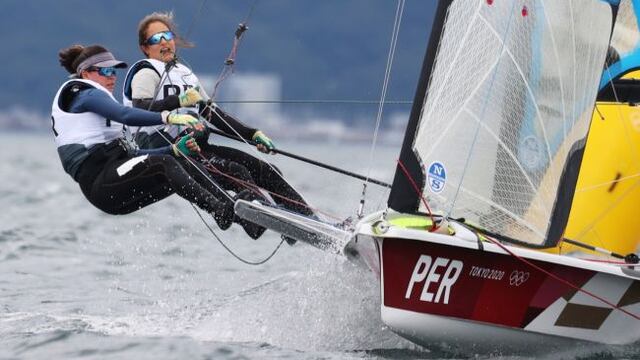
(502, 111)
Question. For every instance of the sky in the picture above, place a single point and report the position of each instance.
(317, 50)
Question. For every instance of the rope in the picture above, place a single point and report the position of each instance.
(434, 227)
(258, 190)
(258, 153)
(248, 262)
(573, 286)
(387, 75)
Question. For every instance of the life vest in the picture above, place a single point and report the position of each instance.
(75, 133)
(177, 81)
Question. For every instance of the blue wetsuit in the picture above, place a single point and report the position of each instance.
(96, 101)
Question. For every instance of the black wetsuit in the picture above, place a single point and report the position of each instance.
(148, 181)
(231, 161)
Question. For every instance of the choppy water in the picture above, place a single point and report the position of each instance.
(77, 283)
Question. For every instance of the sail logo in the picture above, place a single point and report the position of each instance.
(442, 272)
(436, 177)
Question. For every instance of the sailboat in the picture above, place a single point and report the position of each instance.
(494, 146)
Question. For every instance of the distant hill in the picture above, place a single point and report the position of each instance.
(329, 49)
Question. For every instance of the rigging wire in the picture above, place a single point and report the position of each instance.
(561, 280)
(226, 71)
(195, 19)
(259, 155)
(229, 64)
(328, 101)
(387, 75)
(245, 261)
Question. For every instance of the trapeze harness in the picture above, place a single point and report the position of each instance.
(176, 79)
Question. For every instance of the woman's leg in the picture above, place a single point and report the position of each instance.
(151, 180)
(266, 176)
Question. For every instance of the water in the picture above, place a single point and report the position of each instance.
(77, 283)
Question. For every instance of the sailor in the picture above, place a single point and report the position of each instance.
(161, 82)
(89, 129)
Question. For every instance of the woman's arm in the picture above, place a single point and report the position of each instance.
(226, 122)
(144, 85)
(96, 101)
(165, 150)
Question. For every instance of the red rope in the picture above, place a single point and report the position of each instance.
(256, 189)
(434, 227)
(561, 279)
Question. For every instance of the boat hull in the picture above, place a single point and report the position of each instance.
(442, 288)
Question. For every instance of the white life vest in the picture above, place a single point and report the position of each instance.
(86, 128)
(179, 79)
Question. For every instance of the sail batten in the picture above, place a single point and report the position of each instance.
(504, 111)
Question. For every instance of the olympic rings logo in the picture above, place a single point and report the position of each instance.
(517, 278)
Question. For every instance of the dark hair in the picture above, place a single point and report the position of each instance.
(72, 56)
(167, 19)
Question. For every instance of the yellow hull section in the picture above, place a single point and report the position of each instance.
(606, 205)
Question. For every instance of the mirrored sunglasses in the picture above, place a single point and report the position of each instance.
(157, 37)
(104, 71)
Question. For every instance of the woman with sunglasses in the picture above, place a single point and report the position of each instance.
(89, 128)
(160, 82)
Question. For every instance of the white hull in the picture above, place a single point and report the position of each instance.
(426, 330)
(557, 319)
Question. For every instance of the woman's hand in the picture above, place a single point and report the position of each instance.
(263, 143)
(190, 97)
(186, 146)
(173, 118)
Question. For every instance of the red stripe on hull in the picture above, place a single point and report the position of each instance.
(470, 284)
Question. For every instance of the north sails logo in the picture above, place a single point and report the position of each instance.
(436, 177)
(426, 270)
(517, 278)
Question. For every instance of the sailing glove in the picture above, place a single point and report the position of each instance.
(186, 146)
(190, 97)
(172, 118)
(263, 143)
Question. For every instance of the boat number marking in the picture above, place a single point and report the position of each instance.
(436, 177)
(518, 278)
(426, 270)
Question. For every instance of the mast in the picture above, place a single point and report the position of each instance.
(403, 197)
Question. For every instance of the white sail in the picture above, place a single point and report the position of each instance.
(507, 109)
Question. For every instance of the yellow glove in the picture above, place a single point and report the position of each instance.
(172, 118)
(263, 143)
(190, 97)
